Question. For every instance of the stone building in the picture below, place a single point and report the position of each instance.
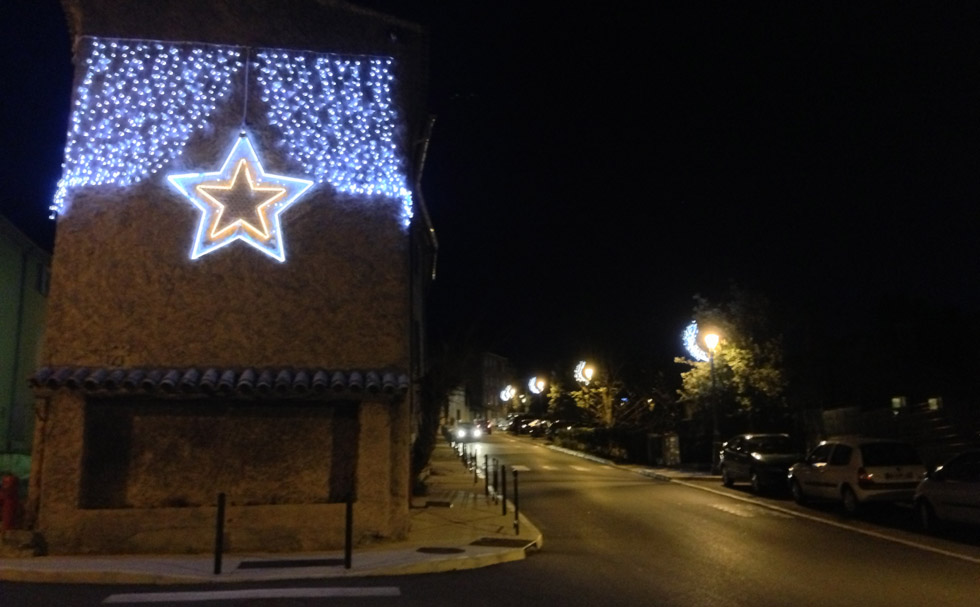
(239, 270)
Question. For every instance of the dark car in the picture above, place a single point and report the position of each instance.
(519, 424)
(484, 425)
(762, 460)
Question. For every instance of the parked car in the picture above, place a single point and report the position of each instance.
(538, 427)
(484, 424)
(519, 424)
(950, 493)
(856, 470)
(465, 432)
(762, 460)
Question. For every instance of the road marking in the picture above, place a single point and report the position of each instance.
(520, 468)
(579, 468)
(749, 510)
(258, 593)
(818, 519)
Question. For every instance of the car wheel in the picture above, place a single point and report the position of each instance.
(726, 477)
(798, 496)
(849, 501)
(927, 516)
(756, 482)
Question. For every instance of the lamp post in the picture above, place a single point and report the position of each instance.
(711, 340)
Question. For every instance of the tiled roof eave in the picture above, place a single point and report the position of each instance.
(315, 384)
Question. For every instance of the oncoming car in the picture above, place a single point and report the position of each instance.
(465, 432)
(857, 470)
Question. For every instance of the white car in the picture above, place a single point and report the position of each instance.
(951, 493)
(857, 470)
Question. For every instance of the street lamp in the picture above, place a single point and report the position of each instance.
(536, 385)
(711, 340)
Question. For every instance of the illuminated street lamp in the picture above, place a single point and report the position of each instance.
(536, 385)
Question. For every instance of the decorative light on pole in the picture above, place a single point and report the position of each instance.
(711, 340)
(690, 338)
(536, 385)
(583, 372)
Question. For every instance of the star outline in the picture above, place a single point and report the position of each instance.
(268, 240)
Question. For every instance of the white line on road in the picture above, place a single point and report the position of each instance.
(520, 468)
(259, 593)
(817, 519)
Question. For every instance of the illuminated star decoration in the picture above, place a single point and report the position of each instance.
(691, 342)
(240, 202)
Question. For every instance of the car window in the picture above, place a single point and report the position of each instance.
(889, 454)
(771, 444)
(965, 468)
(841, 455)
(819, 454)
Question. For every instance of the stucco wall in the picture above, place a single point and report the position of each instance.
(125, 293)
(277, 484)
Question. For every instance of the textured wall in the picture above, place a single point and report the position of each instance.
(126, 293)
(128, 475)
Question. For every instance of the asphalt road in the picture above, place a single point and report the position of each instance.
(616, 537)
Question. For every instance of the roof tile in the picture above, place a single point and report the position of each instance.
(282, 382)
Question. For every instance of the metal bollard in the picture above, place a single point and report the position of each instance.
(486, 474)
(503, 489)
(496, 485)
(517, 508)
(219, 533)
(348, 530)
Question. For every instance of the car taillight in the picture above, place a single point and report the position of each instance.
(865, 478)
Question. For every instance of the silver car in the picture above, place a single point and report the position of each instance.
(951, 493)
(856, 470)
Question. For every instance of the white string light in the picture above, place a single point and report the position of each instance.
(690, 337)
(138, 103)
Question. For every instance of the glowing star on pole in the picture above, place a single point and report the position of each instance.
(691, 342)
(240, 202)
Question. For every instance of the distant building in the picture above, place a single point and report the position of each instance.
(495, 373)
(25, 271)
(239, 274)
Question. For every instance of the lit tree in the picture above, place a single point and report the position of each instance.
(747, 379)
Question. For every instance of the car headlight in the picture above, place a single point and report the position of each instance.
(476, 432)
(461, 433)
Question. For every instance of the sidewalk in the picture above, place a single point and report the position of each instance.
(456, 526)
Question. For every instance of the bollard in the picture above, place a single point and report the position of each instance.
(219, 533)
(496, 485)
(503, 489)
(349, 530)
(486, 474)
(517, 508)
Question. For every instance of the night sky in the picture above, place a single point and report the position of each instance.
(592, 170)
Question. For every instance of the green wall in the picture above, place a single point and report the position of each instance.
(23, 281)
